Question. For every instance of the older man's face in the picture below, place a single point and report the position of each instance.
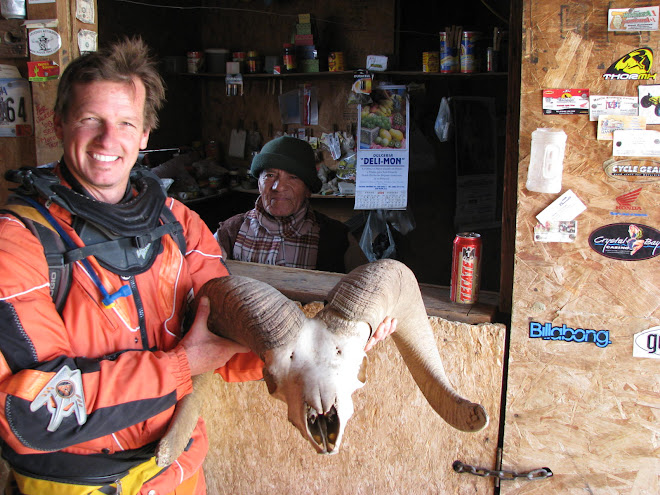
(282, 193)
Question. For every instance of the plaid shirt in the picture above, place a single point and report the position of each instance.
(289, 241)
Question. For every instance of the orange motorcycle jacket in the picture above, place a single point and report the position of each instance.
(87, 391)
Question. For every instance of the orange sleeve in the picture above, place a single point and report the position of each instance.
(244, 367)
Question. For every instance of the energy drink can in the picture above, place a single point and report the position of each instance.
(469, 52)
(465, 268)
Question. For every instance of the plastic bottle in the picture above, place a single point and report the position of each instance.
(546, 162)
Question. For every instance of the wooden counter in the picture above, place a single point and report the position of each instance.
(308, 286)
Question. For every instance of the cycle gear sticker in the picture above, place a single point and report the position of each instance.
(634, 66)
(63, 396)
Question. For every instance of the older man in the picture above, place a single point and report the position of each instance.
(283, 229)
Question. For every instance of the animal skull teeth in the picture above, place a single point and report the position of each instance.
(323, 428)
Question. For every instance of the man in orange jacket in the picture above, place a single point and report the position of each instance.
(94, 360)
(87, 391)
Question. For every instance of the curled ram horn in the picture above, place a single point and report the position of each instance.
(388, 287)
(315, 365)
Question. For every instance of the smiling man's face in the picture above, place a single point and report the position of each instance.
(282, 193)
(102, 135)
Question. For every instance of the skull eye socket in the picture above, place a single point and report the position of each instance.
(270, 382)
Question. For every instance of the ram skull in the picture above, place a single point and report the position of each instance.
(315, 364)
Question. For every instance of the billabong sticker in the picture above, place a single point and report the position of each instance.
(635, 66)
(626, 241)
(546, 331)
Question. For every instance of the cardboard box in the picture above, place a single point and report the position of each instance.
(304, 39)
(304, 18)
(303, 28)
(309, 65)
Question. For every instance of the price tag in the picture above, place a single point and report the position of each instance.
(15, 108)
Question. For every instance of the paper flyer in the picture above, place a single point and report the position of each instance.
(612, 105)
(607, 124)
(649, 102)
(556, 231)
(633, 19)
(383, 153)
(565, 101)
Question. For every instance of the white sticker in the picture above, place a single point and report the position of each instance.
(565, 208)
(44, 42)
(636, 143)
(646, 344)
(612, 105)
(556, 231)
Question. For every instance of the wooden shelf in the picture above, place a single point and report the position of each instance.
(315, 196)
(308, 286)
(326, 74)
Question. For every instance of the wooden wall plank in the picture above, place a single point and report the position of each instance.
(589, 413)
(394, 443)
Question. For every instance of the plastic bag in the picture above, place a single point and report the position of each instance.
(376, 241)
(442, 121)
(401, 220)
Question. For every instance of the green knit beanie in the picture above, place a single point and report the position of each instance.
(292, 155)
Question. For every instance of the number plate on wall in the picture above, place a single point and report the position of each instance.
(15, 108)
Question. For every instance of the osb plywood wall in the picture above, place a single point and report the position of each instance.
(394, 443)
(589, 413)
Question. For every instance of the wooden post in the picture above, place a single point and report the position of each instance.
(68, 26)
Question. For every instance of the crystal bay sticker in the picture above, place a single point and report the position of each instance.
(635, 66)
(547, 331)
(626, 241)
(646, 344)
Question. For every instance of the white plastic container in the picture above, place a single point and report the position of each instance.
(546, 160)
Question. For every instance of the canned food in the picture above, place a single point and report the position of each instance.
(194, 62)
(430, 61)
(469, 52)
(336, 62)
(465, 268)
(447, 55)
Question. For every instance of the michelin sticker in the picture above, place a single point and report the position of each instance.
(646, 344)
(634, 66)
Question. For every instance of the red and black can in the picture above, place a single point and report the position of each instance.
(465, 268)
